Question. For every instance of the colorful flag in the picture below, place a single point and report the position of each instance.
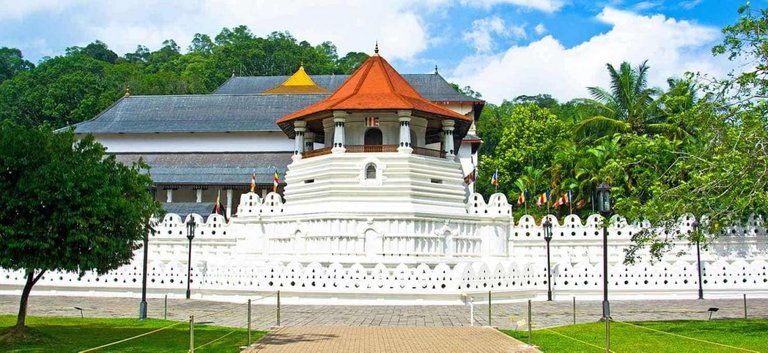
(568, 198)
(253, 182)
(543, 199)
(217, 206)
(275, 182)
(371, 121)
(521, 198)
(560, 201)
(470, 178)
(581, 203)
(495, 179)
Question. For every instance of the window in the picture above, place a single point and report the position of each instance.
(373, 137)
(370, 171)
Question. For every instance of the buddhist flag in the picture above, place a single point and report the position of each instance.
(568, 198)
(495, 179)
(560, 201)
(521, 198)
(470, 178)
(371, 121)
(217, 206)
(543, 199)
(275, 182)
(253, 182)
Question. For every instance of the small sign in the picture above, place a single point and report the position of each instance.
(371, 121)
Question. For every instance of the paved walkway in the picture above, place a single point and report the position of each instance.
(545, 314)
(335, 339)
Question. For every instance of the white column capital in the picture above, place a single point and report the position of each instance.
(404, 113)
(448, 124)
(300, 125)
(340, 114)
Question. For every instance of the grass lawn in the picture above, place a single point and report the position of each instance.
(751, 335)
(76, 334)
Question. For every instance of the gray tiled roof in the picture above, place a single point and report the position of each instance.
(196, 113)
(212, 168)
(184, 208)
(432, 86)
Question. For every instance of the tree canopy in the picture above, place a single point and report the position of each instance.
(66, 206)
(76, 86)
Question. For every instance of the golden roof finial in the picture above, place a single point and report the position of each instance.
(435, 69)
(376, 48)
(127, 92)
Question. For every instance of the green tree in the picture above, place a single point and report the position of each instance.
(12, 62)
(68, 208)
(627, 107)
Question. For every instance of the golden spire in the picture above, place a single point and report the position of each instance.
(299, 82)
(127, 92)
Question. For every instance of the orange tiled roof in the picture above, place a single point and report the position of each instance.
(375, 85)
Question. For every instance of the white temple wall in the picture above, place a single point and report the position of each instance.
(266, 141)
(364, 257)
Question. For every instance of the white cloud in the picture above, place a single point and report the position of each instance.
(481, 36)
(16, 10)
(351, 26)
(540, 29)
(645, 5)
(690, 4)
(541, 5)
(546, 66)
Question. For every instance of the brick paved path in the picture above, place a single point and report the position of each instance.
(545, 314)
(336, 339)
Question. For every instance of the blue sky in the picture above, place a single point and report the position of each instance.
(502, 48)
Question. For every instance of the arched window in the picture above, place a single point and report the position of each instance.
(373, 137)
(370, 171)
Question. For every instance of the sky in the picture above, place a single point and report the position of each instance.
(501, 48)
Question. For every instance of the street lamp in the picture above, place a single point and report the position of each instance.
(190, 235)
(547, 225)
(694, 227)
(604, 206)
(143, 304)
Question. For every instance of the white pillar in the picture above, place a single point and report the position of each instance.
(448, 136)
(199, 195)
(299, 126)
(169, 195)
(339, 119)
(404, 116)
(309, 141)
(229, 203)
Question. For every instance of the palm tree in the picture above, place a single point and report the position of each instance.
(628, 107)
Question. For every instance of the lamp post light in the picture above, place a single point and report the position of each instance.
(191, 225)
(604, 206)
(695, 227)
(547, 225)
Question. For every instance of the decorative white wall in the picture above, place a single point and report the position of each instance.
(363, 259)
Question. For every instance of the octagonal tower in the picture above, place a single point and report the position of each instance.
(382, 148)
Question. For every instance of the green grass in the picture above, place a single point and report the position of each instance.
(76, 334)
(748, 334)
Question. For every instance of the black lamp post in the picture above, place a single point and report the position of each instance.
(695, 227)
(190, 235)
(604, 206)
(547, 225)
(143, 304)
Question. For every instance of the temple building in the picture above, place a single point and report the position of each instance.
(371, 205)
(204, 147)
